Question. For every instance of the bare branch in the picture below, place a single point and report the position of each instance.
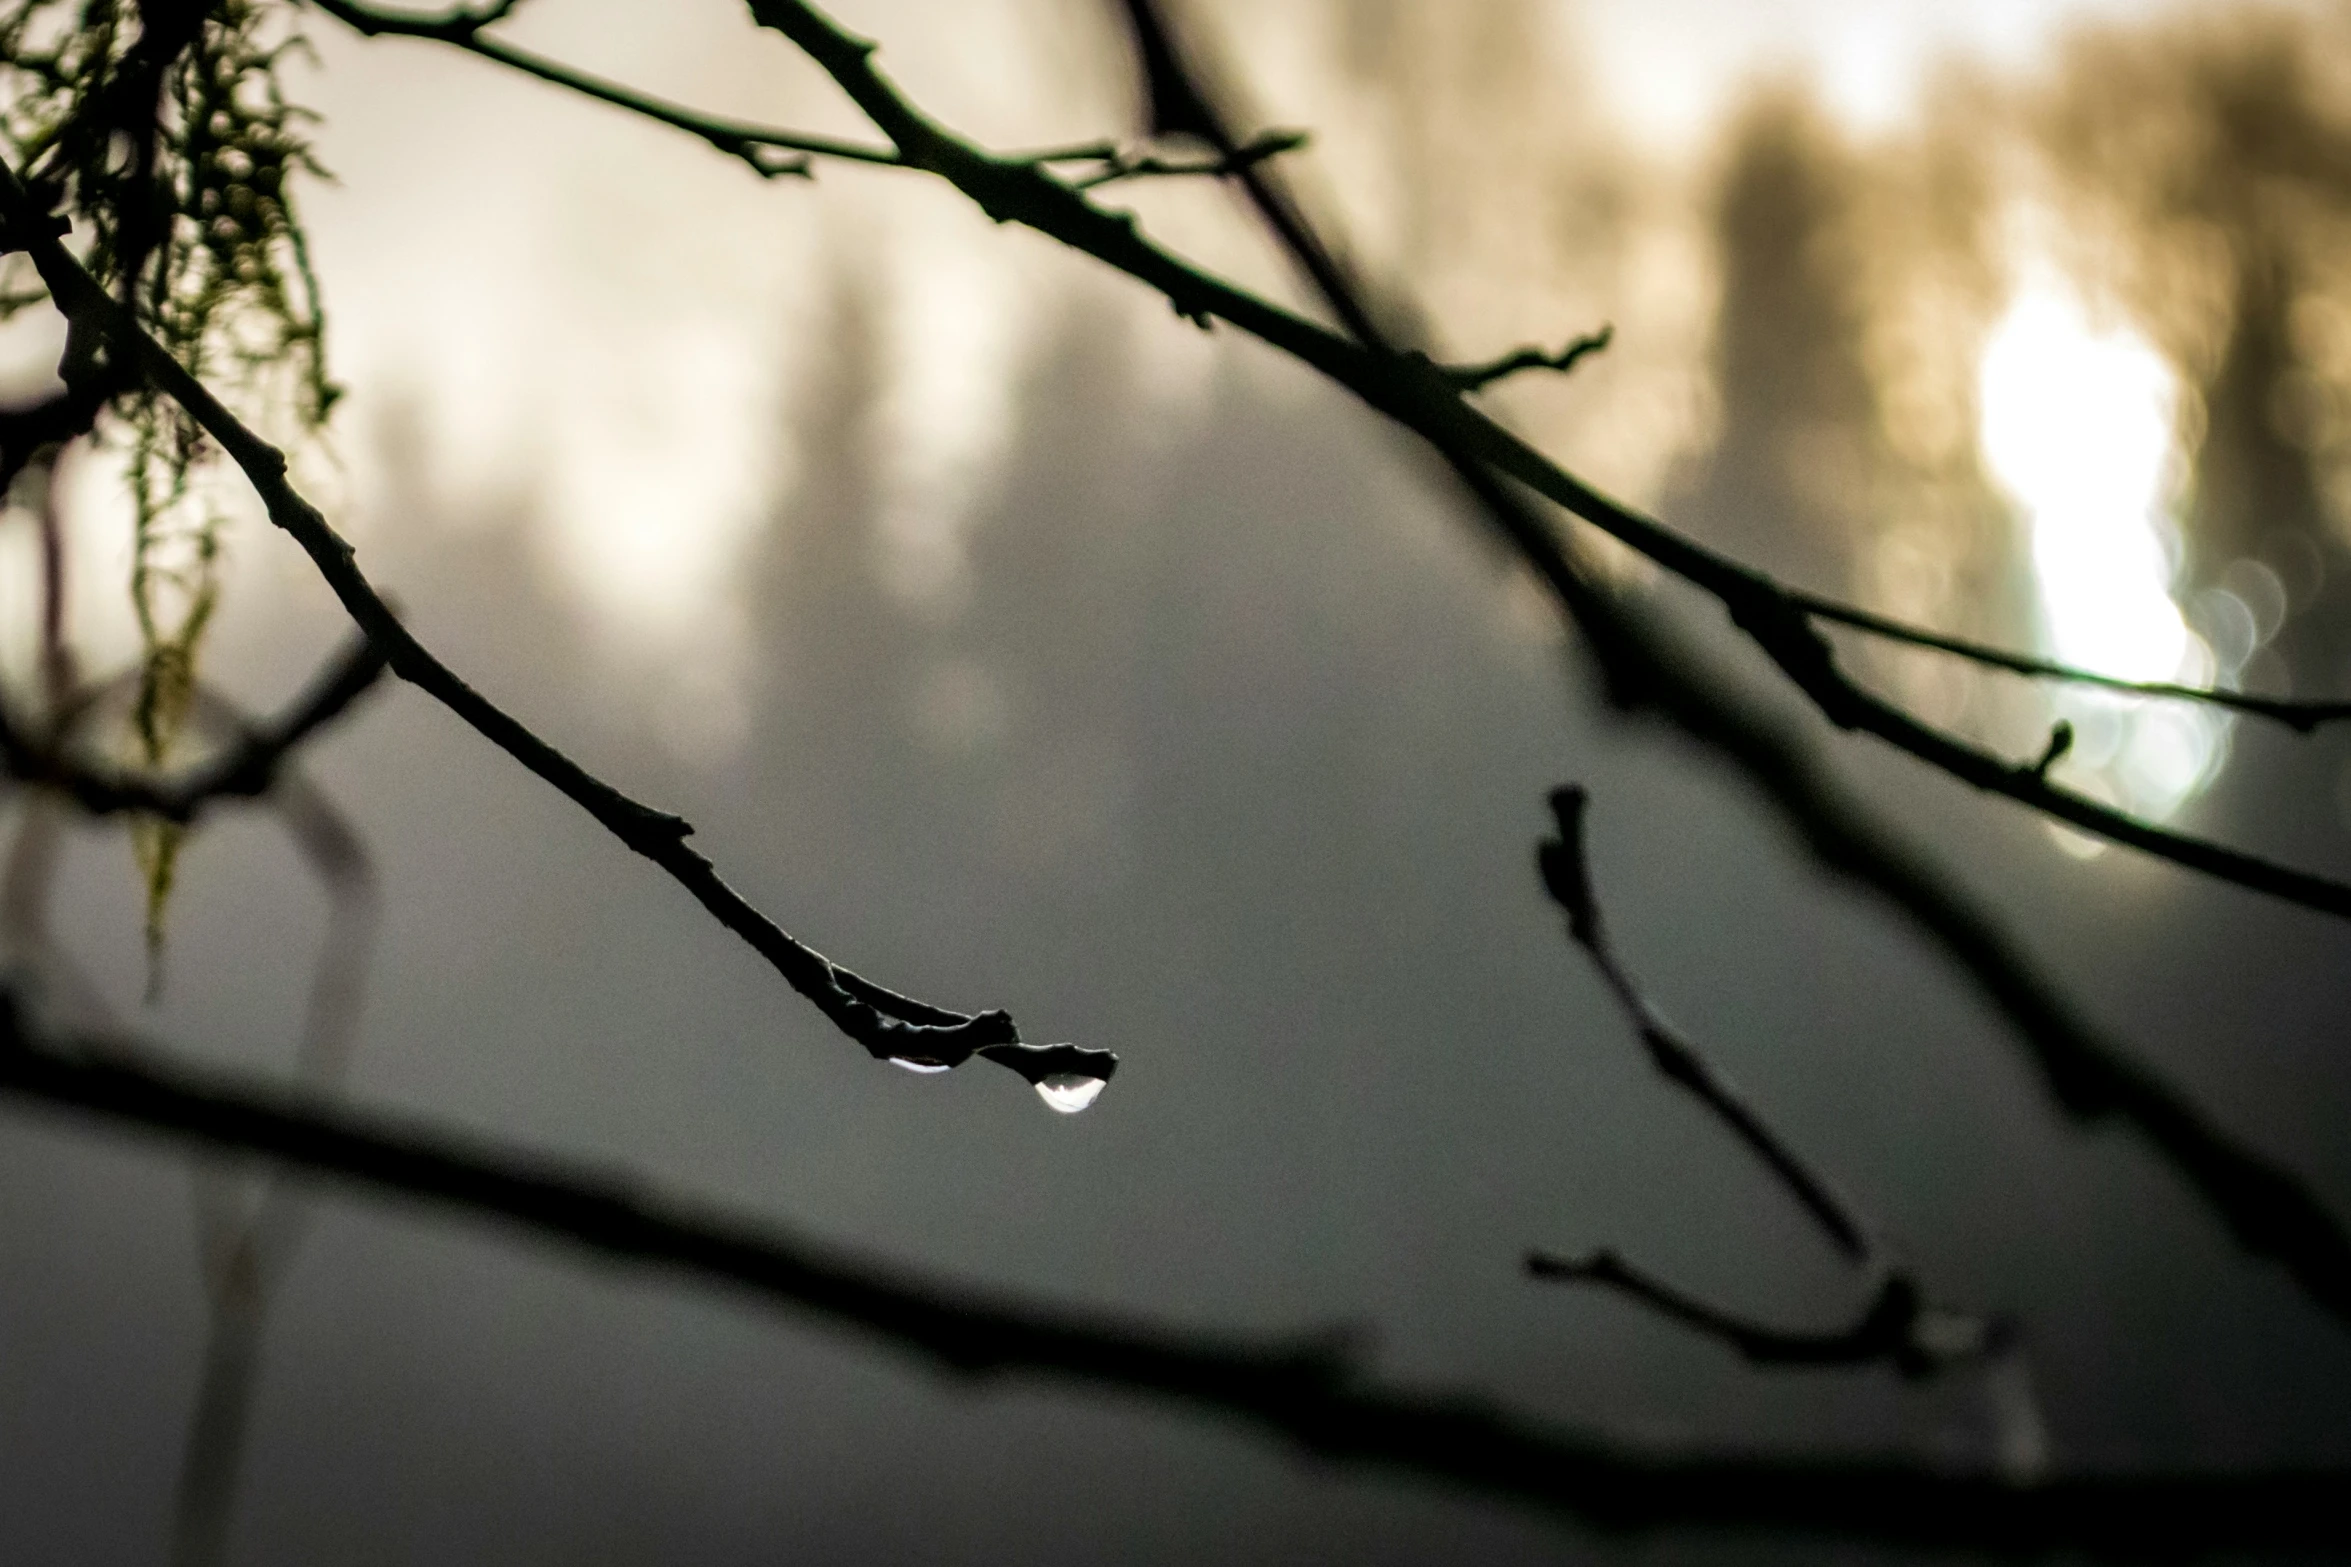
(30, 431)
(770, 151)
(247, 1229)
(1476, 378)
(252, 1227)
(1120, 163)
(2268, 1210)
(1896, 1327)
(889, 1026)
(1568, 879)
(1294, 1388)
(2301, 716)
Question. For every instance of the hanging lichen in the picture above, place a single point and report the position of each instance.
(164, 131)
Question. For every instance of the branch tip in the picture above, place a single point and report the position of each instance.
(1477, 377)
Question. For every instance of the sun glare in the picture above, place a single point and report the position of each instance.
(2078, 423)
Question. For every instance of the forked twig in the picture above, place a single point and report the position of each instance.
(1417, 395)
(1895, 1327)
(1126, 163)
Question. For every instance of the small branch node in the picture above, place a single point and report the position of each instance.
(1126, 163)
(1477, 377)
(2060, 742)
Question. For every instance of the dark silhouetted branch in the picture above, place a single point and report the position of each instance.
(1476, 378)
(1123, 163)
(1567, 877)
(1295, 1388)
(247, 1227)
(2300, 716)
(771, 151)
(1896, 1327)
(889, 1026)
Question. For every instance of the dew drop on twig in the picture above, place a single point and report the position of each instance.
(923, 1064)
(1069, 1092)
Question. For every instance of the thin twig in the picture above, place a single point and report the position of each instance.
(1567, 877)
(2300, 716)
(1476, 378)
(1895, 1327)
(757, 145)
(2268, 1210)
(1126, 164)
(250, 1228)
(1295, 1388)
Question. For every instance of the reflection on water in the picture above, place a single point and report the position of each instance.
(2079, 424)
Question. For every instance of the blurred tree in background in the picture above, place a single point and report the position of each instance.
(2008, 437)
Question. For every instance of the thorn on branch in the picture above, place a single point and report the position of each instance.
(1472, 378)
(2060, 742)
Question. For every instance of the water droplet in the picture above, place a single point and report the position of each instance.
(923, 1064)
(1069, 1092)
